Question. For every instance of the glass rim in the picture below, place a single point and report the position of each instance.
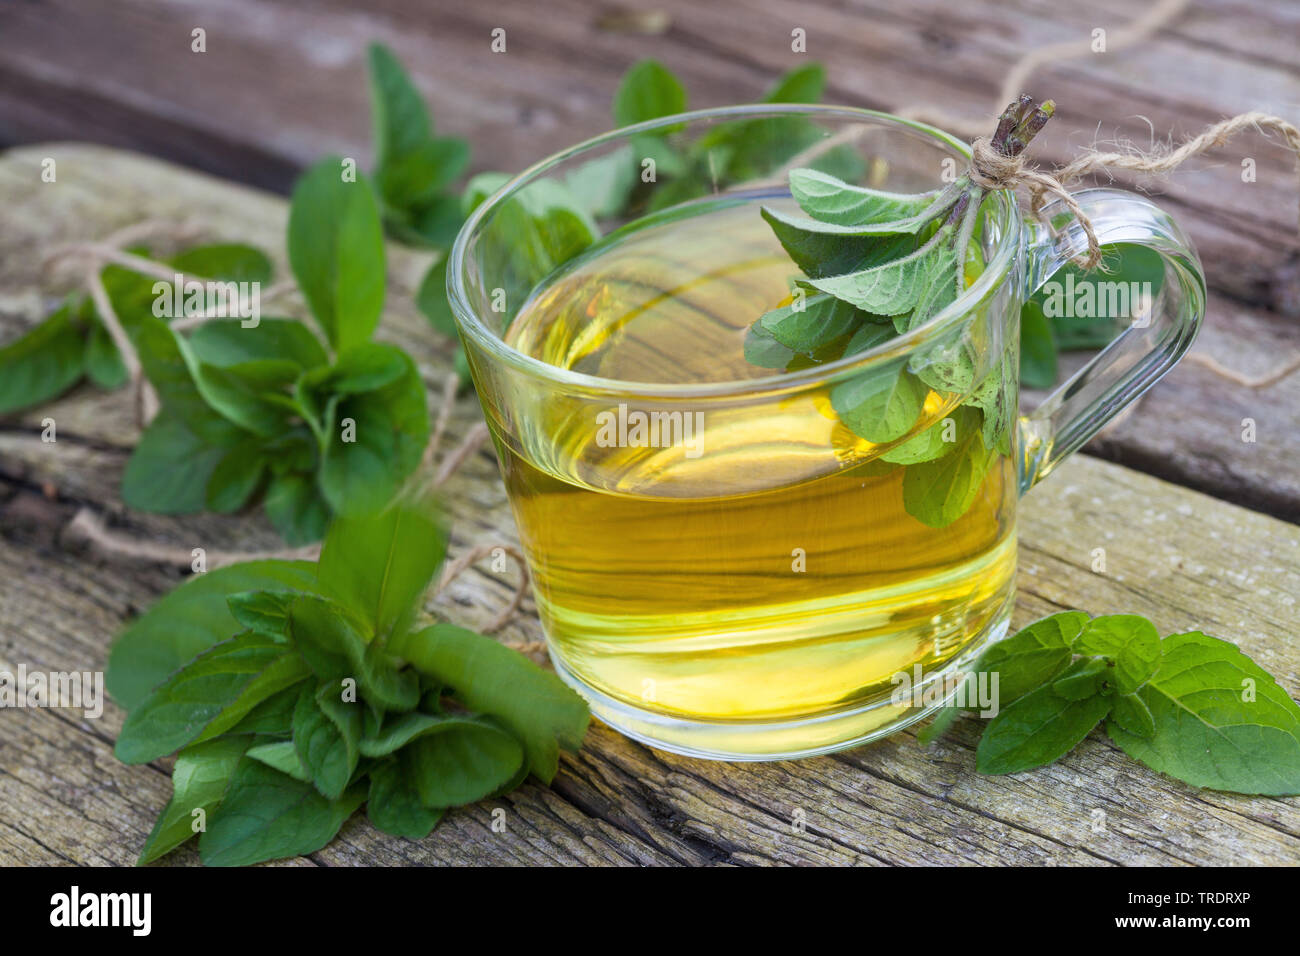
(471, 325)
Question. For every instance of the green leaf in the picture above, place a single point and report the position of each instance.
(273, 717)
(829, 199)
(263, 612)
(819, 255)
(536, 706)
(389, 429)
(762, 348)
(170, 468)
(326, 735)
(937, 493)
(804, 84)
(394, 805)
(1033, 655)
(893, 287)
(380, 566)
(207, 696)
(235, 478)
(296, 509)
(397, 732)
(401, 119)
(1131, 714)
(1131, 641)
(328, 637)
(606, 183)
(938, 290)
(224, 262)
(807, 325)
(199, 782)
(103, 365)
(281, 755)
(336, 250)
(647, 91)
(929, 443)
(1038, 367)
(189, 620)
(882, 404)
(1037, 729)
(1086, 677)
(1208, 730)
(267, 815)
(44, 363)
(463, 762)
(431, 299)
(171, 370)
(415, 177)
(228, 343)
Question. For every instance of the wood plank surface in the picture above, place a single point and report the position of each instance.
(282, 82)
(1184, 559)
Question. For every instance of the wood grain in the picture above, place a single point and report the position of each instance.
(1182, 558)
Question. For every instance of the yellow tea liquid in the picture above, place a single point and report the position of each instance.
(770, 573)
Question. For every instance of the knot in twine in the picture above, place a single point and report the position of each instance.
(992, 169)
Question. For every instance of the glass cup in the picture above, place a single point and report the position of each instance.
(728, 568)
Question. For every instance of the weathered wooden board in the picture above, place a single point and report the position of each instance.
(283, 82)
(1182, 558)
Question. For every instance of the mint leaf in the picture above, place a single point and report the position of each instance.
(804, 84)
(1038, 365)
(296, 509)
(1130, 713)
(1033, 655)
(882, 404)
(893, 287)
(937, 493)
(199, 780)
(281, 755)
(1037, 729)
(207, 697)
(467, 760)
(394, 805)
(807, 325)
(237, 475)
(1207, 730)
(829, 199)
(1129, 640)
(389, 429)
(267, 815)
(648, 90)
(380, 566)
(188, 621)
(44, 363)
(336, 250)
(326, 734)
(224, 262)
(1084, 678)
(169, 470)
(535, 705)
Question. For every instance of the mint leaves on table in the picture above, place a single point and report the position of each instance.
(1189, 705)
(311, 424)
(294, 692)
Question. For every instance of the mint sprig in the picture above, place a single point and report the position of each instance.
(879, 264)
(305, 690)
(1189, 705)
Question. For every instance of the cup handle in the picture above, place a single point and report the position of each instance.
(1141, 354)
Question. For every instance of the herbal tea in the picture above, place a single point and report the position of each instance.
(762, 561)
